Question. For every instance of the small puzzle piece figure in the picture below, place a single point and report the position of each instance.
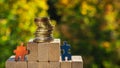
(65, 49)
(20, 52)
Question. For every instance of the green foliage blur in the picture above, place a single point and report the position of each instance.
(92, 27)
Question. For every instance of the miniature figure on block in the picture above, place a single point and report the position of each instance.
(20, 52)
(66, 47)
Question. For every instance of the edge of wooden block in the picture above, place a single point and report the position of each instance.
(77, 58)
(12, 58)
(11, 63)
(55, 40)
(31, 47)
(77, 62)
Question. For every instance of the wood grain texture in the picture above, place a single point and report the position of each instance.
(43, 51)
(33, 64)
(54, 50)
(43, 64)
(65, 64)
(54, 64)
(47, 51)
(77, 62)
(33, 51)
(21, 64)
(11, 63)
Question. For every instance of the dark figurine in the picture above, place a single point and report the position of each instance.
(65, 48)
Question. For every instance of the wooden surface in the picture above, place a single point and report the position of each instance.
(54, 50)
(54, 64)
(21, 64)
(33, 64)
(11, 63)
(43, 51)
(77, 62)
(33, 51)
(66, 64)
(47, 51)
(43, 64)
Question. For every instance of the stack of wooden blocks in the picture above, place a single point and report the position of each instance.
(45, 55)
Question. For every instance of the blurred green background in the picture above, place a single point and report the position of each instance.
(92, 27)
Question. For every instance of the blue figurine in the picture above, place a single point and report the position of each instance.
(65, 47)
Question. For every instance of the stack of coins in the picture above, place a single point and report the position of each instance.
(44, 30)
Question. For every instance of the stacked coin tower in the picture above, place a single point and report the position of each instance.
(44, 30)
(44, 50)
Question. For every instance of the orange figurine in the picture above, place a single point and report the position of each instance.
(20, 52)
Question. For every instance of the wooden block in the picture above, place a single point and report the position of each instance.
(21, 64)
(33, 64)
(54, 65)
(11, 63)
(43, 51)
(38, 51)
(77, 62)
(65, 64)
(54, 50)
(47, 51)
(43, 64)
(33, 51)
